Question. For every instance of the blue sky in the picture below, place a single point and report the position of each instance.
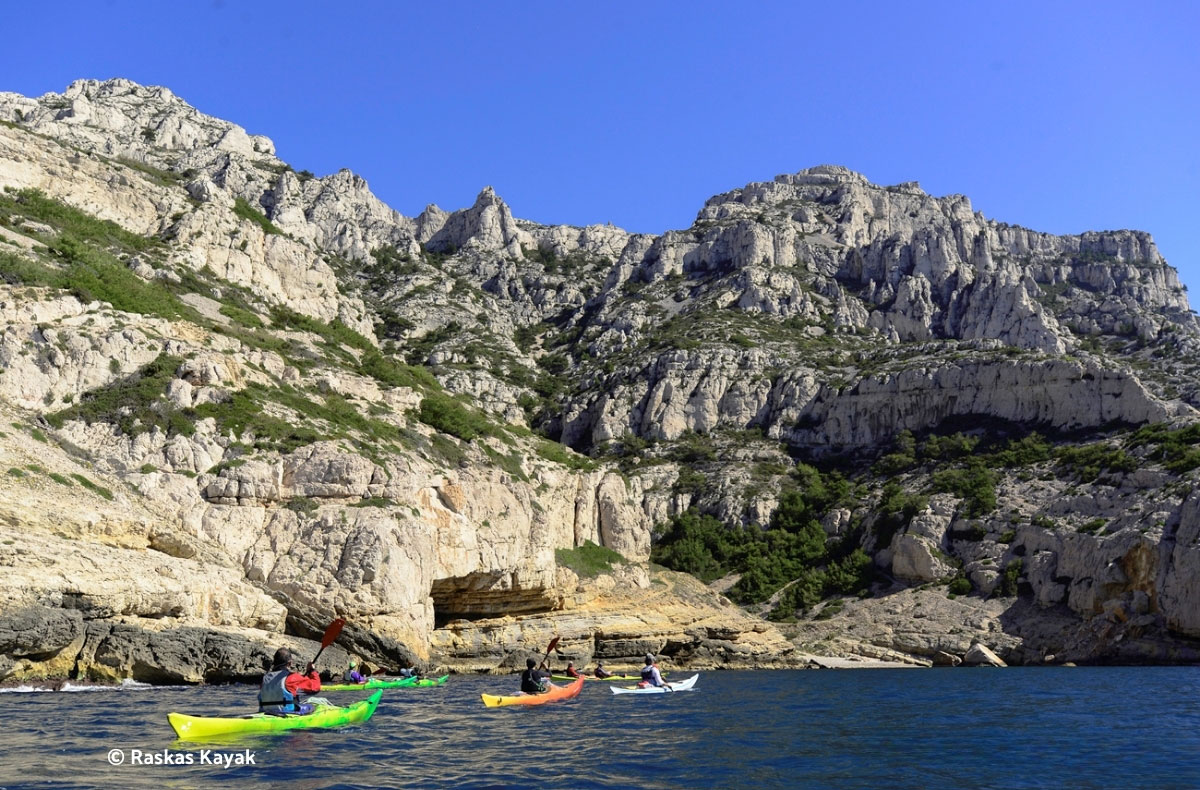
(1063, 117)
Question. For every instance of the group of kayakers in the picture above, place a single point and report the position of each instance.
(352, 675)
(536, 677)
(284, 689)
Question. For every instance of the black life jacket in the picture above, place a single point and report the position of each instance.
(531, 682)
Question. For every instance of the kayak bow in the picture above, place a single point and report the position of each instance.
(324, 717)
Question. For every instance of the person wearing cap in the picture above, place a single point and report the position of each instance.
(572, 671)
(283, 688)
(651, 676)
(352, 675)
(601, 672)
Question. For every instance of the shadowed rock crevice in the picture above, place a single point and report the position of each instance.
(485, 594)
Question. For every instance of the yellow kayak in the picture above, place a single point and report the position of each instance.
(324, 717)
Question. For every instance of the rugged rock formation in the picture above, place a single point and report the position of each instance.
(270, 399)
(675, 618)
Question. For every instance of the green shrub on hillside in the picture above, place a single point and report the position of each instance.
(588, 560)
(1087, 462)
(947, 448)
(135, 404)
(1010, 579)
(896, 509)
(902, 457)
(391, 267)
(93, 487)
(246, 318)
(1031, 449)
(386, 370)
(794, 549)
(418, 349)
(975, 484)
(244, 210)
(852, 575)
(689, 481)
(93, 275)
(334, 332)
(693, 448)
(1176, 448)
(70, 221)
(557, 453)
(448, 415)
(700, 545)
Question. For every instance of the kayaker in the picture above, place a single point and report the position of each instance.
(533, 681)
(352, 675)
(601, 672)
(651, 676)
(572, 671)
(283, 689)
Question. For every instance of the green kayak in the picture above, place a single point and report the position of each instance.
(373, 683)
(387, 683)
(324, 717)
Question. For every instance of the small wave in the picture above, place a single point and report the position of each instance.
(128, 684)
(23, 689)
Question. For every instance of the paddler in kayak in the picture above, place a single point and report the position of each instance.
(572, 671)
(601, 672)
(651, 676)
(352, 675)
(533, 681)
(283, 689)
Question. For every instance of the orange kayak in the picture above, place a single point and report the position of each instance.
(553, 695)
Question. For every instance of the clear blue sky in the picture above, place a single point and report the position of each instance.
(1063, 116)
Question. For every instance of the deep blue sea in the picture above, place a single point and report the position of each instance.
(915, 728)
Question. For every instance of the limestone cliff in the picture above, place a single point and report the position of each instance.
(245, 399)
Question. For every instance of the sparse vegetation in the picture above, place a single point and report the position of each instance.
(135, 404)
(244, 210)
(588, 560)
(974, 483)
(93, 487)
(1010, 578)
(448, 415)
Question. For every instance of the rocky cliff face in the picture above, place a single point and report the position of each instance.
(277, 400)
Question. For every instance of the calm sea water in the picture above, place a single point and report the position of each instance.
(951, 728)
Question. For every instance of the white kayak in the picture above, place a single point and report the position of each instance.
(682, 685)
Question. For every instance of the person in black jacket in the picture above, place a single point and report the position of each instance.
(533, 680)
